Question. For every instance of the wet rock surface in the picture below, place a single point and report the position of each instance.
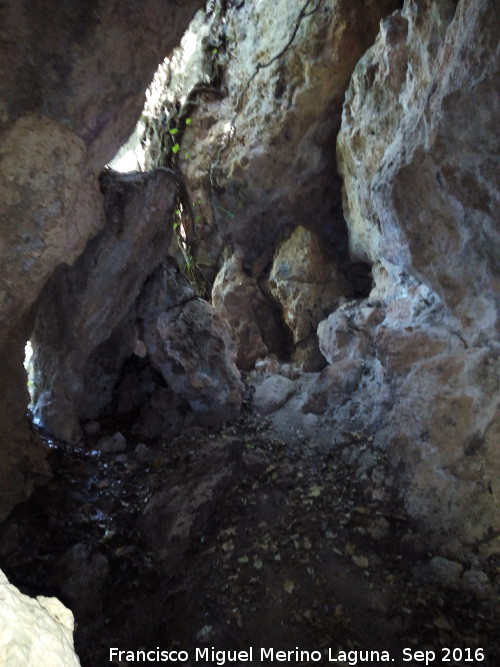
(234, 537)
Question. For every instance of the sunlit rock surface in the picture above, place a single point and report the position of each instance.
(416, 151)
(262, 85)
(34, 631)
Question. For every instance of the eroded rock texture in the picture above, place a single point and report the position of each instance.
(118, 297)
(34, 630)
(84, 306)
(254, 320)
(306, 281)
(262, 85)
(417, 151)
(72, 85)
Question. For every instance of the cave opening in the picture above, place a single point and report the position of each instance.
(253, 393)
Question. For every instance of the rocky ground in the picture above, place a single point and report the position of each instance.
(237, 537)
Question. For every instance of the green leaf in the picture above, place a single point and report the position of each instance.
(224, 210)
(197, 218)
(175, 148)
(188, 121)
(174, 130)
(214, 51)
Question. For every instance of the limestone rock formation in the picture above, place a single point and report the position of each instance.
(421, 192)
(416, 151)
(188, 343)
(262, 85)
(119, 295)
(84, 72)
(72, 83)
(306, 281)
(255, 322)
(34, 631)
(348, 332)
(272, 393)
(84, 306)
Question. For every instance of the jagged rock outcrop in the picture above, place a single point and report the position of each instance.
(120, 294)
(188, 343)
(307, 283)
(413, 374)
(34, 631)
(72, 85)
(420, 199)
(262, 85)
(421, 190)
(86, 305)
(254, 320)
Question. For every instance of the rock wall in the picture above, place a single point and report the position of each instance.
(262, 85)
(248, 119)
(72, 86)
(34, 631)
(83, 306)
(122, 295)
(416, 151)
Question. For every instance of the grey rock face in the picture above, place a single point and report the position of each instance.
(191, 347)
(264, 110)
(72, 81)
(272, 393)
(420, 204)
(84, 329)
(306, 281)
(420, 192)
(112, 299)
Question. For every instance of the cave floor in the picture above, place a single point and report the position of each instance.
(260, 542)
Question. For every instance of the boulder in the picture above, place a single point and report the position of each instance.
(190, 346)
(272, 393)
(306, 281)
(348, 332)
(254, 320)
(34, 631)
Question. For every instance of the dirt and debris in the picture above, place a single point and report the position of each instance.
(234, 537)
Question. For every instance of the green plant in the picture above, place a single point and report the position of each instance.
(224, 210)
